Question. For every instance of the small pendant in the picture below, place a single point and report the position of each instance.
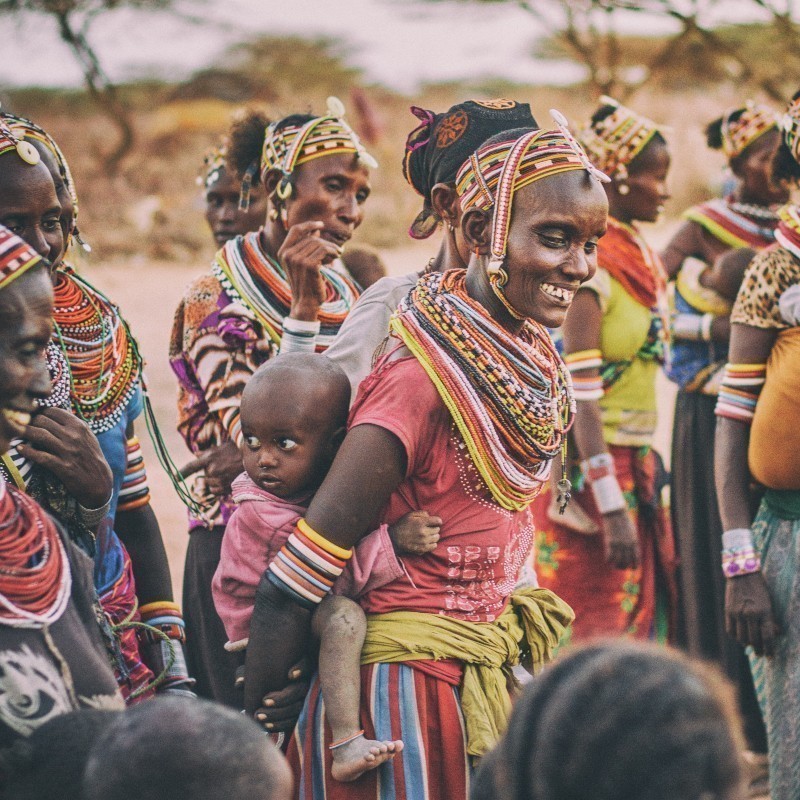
(563, 494)
(28, 153)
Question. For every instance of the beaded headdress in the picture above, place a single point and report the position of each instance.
(11, 141)
(496, 171)
(790, 125)
(286, 148)
(16, 257)
(753, 122)
(213, 167)
(614, 141)
(441, 143)
(26, 129)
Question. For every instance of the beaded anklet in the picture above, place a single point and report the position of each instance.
(346, 740)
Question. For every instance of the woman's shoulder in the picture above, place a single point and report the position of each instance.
(200, 300)
(769, 275)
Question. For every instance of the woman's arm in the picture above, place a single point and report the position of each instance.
(582, 334)
(371, 463)
(140, 533)
(748, 609)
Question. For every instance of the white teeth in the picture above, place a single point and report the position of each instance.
(558, 292)
(19, 418)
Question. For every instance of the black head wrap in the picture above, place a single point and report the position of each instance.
(443, 142)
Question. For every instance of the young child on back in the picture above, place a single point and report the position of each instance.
(294, 415)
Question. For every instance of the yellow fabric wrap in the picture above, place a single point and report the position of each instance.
(532, 624)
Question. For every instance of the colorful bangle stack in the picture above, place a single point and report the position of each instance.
(739, 391)
(584, 367)
(692, 327)
(307, 566)
(135, 491)
(602, 479)
(739, 555)
(162, 635)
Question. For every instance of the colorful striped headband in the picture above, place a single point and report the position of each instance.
(790, 125)
(286, 148)
(613, 142)
(738, 134)
(16, 257)
(496, 171)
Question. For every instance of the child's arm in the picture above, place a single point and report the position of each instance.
(375, 562)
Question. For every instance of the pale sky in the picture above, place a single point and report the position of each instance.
(399, 43)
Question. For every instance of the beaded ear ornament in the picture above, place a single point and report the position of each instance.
(790, 126)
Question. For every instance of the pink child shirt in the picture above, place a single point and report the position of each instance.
(256, 531)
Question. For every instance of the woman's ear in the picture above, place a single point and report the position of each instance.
(270, 181)
(444, 201)
(476, 227)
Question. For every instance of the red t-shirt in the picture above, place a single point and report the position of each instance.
(475, 566)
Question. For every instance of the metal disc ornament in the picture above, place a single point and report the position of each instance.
(28, 153)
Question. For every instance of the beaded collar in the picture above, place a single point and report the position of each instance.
(510, 396)
(252, 277)
(103, 357)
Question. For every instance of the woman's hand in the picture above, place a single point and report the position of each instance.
(281, 710)
(621, 540)
(222, 465)
(302, 254)
(57, 440)
(749, 617)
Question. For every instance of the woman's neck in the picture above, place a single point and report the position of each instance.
(480, 290)
(272, 237)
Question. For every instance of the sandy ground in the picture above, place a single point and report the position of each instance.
(148, 294)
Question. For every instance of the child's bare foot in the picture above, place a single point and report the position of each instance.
(353, 759)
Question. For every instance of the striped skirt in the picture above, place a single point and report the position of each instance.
(397, 702)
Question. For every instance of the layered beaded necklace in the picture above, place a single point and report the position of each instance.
(35, 579)
(251, 276)
(510, 396)
(104, 362)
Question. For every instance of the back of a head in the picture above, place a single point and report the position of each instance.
(620, 721)
(176, 749)
(54, 756)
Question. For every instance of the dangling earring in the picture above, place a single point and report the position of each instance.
(284, 216)
(272, 213)
(498, 278)
(623, 188)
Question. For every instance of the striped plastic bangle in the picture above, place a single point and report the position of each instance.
(739, 391)
(307, 566)
(586, 386)
(135, 491)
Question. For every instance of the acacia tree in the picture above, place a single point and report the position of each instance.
(589, 31)
(73, 18)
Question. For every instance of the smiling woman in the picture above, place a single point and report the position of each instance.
(51, 649)
(462, 418)
(277, 289)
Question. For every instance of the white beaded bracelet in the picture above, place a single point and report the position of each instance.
(608, 495)
(705, 327)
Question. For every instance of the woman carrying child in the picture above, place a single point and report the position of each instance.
(461, 418)
(268, 290)
(758, 439)
(708, 257)
(620, 580)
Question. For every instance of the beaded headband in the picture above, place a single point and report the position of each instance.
(16, 257)
(790, 125)
(613, 142)
(288, 147)
(496, 171)
(740, 133)
(21, 126)
(213, 167)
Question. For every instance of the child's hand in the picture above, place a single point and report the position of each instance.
(416, 533)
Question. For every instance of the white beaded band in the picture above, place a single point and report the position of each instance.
(707, 321)
(737, 539)
(299, 336)
(608, 495)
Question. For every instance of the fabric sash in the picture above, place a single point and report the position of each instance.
(533, 622)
